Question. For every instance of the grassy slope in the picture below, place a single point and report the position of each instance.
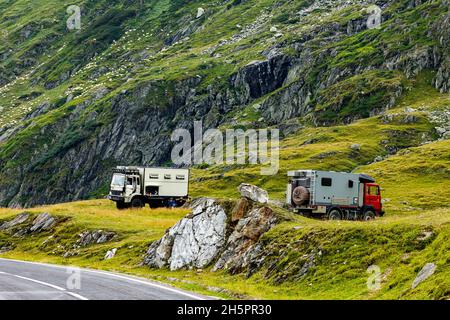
(348, 248)
(415, 180)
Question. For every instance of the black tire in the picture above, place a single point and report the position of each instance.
(369, 215)
(334, 214)
(137, 203)
(120, 205)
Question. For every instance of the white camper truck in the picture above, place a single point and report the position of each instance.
(136, 186)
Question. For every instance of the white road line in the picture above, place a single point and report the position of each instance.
(75, 295)
(145, 282)
(40, 282)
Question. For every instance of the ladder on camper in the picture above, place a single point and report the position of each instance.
(312, 186)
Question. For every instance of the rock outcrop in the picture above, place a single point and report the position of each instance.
(95, 237)
(209, 235)
(19, 226)
(246, 233)
(43, 222)
(194, 241)
(19, 219)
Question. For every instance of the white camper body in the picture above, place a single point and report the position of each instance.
(166, 182)
(327, 187)
(136, 186)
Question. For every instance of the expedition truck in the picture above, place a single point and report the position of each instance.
(334, 195)
(159, 187)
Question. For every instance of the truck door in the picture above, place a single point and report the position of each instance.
(138, 185)
(372, 196)
(129, 187)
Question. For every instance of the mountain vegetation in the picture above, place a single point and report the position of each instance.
(76, 103)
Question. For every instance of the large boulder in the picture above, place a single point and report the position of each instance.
(253, 193)
(194, 242)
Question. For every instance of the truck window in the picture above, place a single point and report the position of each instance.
(118, 180)
(130, 181)
(373, 190)
(167, 176)
(326, 182)
(350, 183)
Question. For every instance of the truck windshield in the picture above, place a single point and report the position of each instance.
(118, 180)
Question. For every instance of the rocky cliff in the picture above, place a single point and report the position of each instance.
(76, 104)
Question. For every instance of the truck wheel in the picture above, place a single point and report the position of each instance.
(120, 205)
(137, 203)
(369, 215)
(334, 214)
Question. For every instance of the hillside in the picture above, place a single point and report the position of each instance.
(306, 259)
(75, 103)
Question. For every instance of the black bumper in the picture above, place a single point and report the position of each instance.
(115, 198)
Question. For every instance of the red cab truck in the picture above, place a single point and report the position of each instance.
(334, 195)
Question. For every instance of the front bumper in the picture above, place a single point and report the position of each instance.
(115, 198)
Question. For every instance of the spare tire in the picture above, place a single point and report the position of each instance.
(300, 196)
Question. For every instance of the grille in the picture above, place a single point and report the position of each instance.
(116, 193)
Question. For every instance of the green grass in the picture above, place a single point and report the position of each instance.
(347, 249)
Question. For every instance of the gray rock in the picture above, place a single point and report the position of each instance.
(247, 232)
(426, 272)
(194, 242)
(355, 146)
(378, 159)
(21, 218)
(43, 222)
(95, 237)
(5, 249)
(200, 12)
(425, 235)
(110, 254)
(253, 193)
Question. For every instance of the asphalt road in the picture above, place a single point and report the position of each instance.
(21, 280)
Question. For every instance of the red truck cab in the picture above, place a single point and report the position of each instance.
(372, 197)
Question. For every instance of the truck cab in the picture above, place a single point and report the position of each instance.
(125, 185)
(372, 197)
